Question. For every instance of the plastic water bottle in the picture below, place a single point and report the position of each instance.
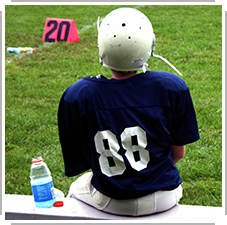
(20, 50)
(26, 49)
(13, 50)
(42, 184)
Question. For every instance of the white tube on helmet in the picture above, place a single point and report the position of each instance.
(166, 61)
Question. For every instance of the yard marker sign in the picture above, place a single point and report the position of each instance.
(57, 30)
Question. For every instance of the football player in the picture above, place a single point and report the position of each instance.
(130, 130)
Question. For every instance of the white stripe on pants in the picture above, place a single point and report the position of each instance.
(159, 201)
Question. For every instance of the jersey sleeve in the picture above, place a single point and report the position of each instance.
(74, 156)
(184, 128)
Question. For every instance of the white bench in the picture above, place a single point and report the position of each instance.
(21, 207)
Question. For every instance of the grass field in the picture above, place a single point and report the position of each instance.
(188, 36)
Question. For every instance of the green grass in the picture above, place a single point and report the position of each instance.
(188, 36)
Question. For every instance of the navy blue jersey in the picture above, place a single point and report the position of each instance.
(123, 130)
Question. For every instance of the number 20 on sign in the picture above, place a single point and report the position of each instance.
(57, 30)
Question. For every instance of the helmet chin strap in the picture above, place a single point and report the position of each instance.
(144, 67)
(166, 61)
(98, 23)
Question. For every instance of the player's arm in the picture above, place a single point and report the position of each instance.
(177, 153)
(75, 160)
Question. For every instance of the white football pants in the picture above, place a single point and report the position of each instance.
(159, 201)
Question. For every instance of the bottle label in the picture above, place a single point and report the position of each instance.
(43, 192)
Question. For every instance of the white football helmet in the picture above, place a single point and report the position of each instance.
(125, 40)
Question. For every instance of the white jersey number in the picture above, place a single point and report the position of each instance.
(133, 140)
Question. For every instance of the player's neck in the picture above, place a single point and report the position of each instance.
(118, 76)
